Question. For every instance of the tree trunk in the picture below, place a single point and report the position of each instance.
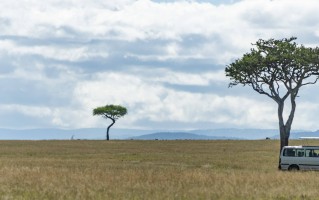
(108, 129)
(285, 128)
(282, 128)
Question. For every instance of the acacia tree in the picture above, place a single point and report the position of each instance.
(277, 69)
(112, 112)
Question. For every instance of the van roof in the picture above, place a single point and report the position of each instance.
(301, 146)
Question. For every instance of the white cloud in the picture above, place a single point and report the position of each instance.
(229, 29)
(51, 52)
(32, 111)
(180, 78)
(148, 101)
(128, 52)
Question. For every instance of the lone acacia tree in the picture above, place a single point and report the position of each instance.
(277, 69)
(112, 112)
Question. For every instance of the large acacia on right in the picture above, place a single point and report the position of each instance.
(277, 69)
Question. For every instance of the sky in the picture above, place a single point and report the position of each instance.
(164, 60)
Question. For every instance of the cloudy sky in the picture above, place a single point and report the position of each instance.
(162, 59)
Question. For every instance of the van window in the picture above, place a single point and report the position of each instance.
(290, 152)
(300, 152)
(312, 152)
(294, 152)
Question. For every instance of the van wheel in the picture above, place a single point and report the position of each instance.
(293, 168)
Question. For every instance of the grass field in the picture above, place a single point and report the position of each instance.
(149, 170)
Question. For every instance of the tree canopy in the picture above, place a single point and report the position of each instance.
(112, 112)
(274, 64)
(277, 69)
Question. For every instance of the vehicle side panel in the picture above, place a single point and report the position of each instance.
(304, 158)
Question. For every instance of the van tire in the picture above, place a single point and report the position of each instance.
(293, 168)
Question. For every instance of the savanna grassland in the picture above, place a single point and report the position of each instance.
(150, 170)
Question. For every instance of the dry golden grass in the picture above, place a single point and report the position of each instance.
(149, 170)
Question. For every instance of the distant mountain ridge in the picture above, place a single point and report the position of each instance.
(298, 135)
(221, 134)
(120, 134)
(178, 136)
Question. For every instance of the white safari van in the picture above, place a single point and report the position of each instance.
(299, 158)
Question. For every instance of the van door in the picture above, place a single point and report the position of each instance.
(312, 159)
(301, 159)
(292, 156)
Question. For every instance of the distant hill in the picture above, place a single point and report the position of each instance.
(298, 135)
(224, 134)
(250, 134)
(119, 134)
(177, 136)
